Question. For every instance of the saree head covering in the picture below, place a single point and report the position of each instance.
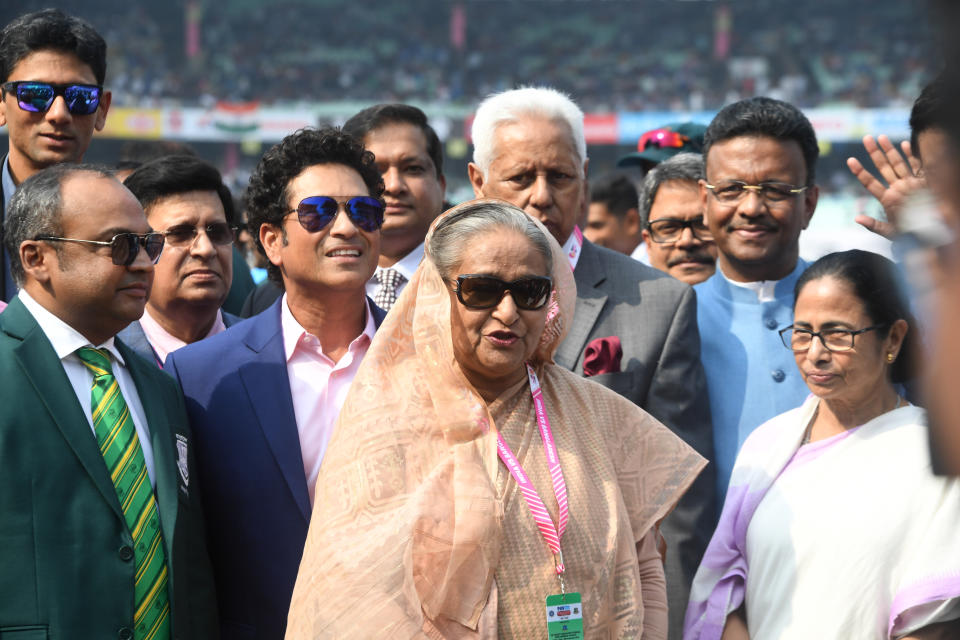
(414, 513)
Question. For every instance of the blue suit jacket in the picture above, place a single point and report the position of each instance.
(250, 469)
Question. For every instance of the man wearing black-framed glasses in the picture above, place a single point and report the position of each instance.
(676, 236)
(186, 201)
(52, 70)
(96, 445)
(758, 193)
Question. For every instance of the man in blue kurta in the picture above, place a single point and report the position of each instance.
(760, 156)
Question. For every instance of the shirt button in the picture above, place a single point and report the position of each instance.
(778, 375)
(771, 323)
(124, 633)
(125, 553)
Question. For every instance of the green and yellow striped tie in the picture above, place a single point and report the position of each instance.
(123, 456)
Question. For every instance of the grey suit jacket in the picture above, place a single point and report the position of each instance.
(134, 337)
(655, 317)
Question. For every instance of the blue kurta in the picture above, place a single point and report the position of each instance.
(751, 376)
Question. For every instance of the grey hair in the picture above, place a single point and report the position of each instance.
(510, 106)
(36, 210)
(686, 167)
(451, 237)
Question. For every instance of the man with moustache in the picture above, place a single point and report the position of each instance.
(758, 194)
(185, 200)
(634, 328)
(52, 69)
(263, 396)
(102, 532)
(410, 159)
(678, 241)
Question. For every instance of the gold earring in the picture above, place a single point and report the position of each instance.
(890, 357)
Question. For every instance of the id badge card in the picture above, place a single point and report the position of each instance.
(564, 617)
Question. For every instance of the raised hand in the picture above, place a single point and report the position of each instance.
(902, 174)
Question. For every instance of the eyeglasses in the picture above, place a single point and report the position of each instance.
(662, 139)
(184, 235)
(798, 339)
(669, 230)
(124, 247)
(316, 212)
(733, 191)
(37, 97)
(477, 291)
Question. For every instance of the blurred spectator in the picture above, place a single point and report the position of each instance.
(588, 49)
(612, 219)
(662, 143)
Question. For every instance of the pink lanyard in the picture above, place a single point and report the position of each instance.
(551, 534)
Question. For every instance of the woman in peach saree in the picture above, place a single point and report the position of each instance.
(418, 528)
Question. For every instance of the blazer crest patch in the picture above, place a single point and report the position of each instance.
(182, 461)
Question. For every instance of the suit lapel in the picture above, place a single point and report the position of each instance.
(44, 371)
(590, 301)
(159, 426)
(268, 390)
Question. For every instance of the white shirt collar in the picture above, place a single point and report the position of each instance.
(408, 264)
(64, 338)
(763, 288)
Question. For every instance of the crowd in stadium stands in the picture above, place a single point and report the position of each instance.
(612, 56)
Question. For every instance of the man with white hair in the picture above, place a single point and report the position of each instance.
(634, 329)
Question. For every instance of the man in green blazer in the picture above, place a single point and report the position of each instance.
(92, 544)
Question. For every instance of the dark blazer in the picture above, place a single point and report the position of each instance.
(134, 337)
(655, 317)
(65, 565)
(251, 471)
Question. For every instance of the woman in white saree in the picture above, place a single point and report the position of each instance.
(834, 525)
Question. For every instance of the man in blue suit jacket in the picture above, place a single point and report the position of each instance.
(263, 396)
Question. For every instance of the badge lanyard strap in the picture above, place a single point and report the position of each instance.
(542, 518)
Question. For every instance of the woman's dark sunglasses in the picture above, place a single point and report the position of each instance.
(477, 291)
(36, 97)
(316, 212)
(124, 247)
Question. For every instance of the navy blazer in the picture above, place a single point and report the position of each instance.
(134, 337)
(250, 471)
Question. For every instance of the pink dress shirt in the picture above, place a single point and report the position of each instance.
(318, 385)
(163, 342)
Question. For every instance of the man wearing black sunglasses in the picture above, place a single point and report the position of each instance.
(102, 530)
(185, 200)
(264, 395)
(52, 70)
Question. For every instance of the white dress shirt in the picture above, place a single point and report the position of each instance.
(407, 265)
(66, 340)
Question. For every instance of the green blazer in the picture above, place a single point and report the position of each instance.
(66, 567)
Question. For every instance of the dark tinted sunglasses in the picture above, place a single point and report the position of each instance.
(124, 247)
(81, 99)
(184, 235)
(478, 291)
(316, 212)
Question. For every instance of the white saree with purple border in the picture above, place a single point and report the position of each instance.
(848, 537)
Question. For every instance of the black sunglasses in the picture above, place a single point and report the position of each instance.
(184, 235)
(124, 247)
(37, 97)
(316, 212)
(477, 291)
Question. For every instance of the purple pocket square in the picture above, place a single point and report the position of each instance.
(602, 356)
